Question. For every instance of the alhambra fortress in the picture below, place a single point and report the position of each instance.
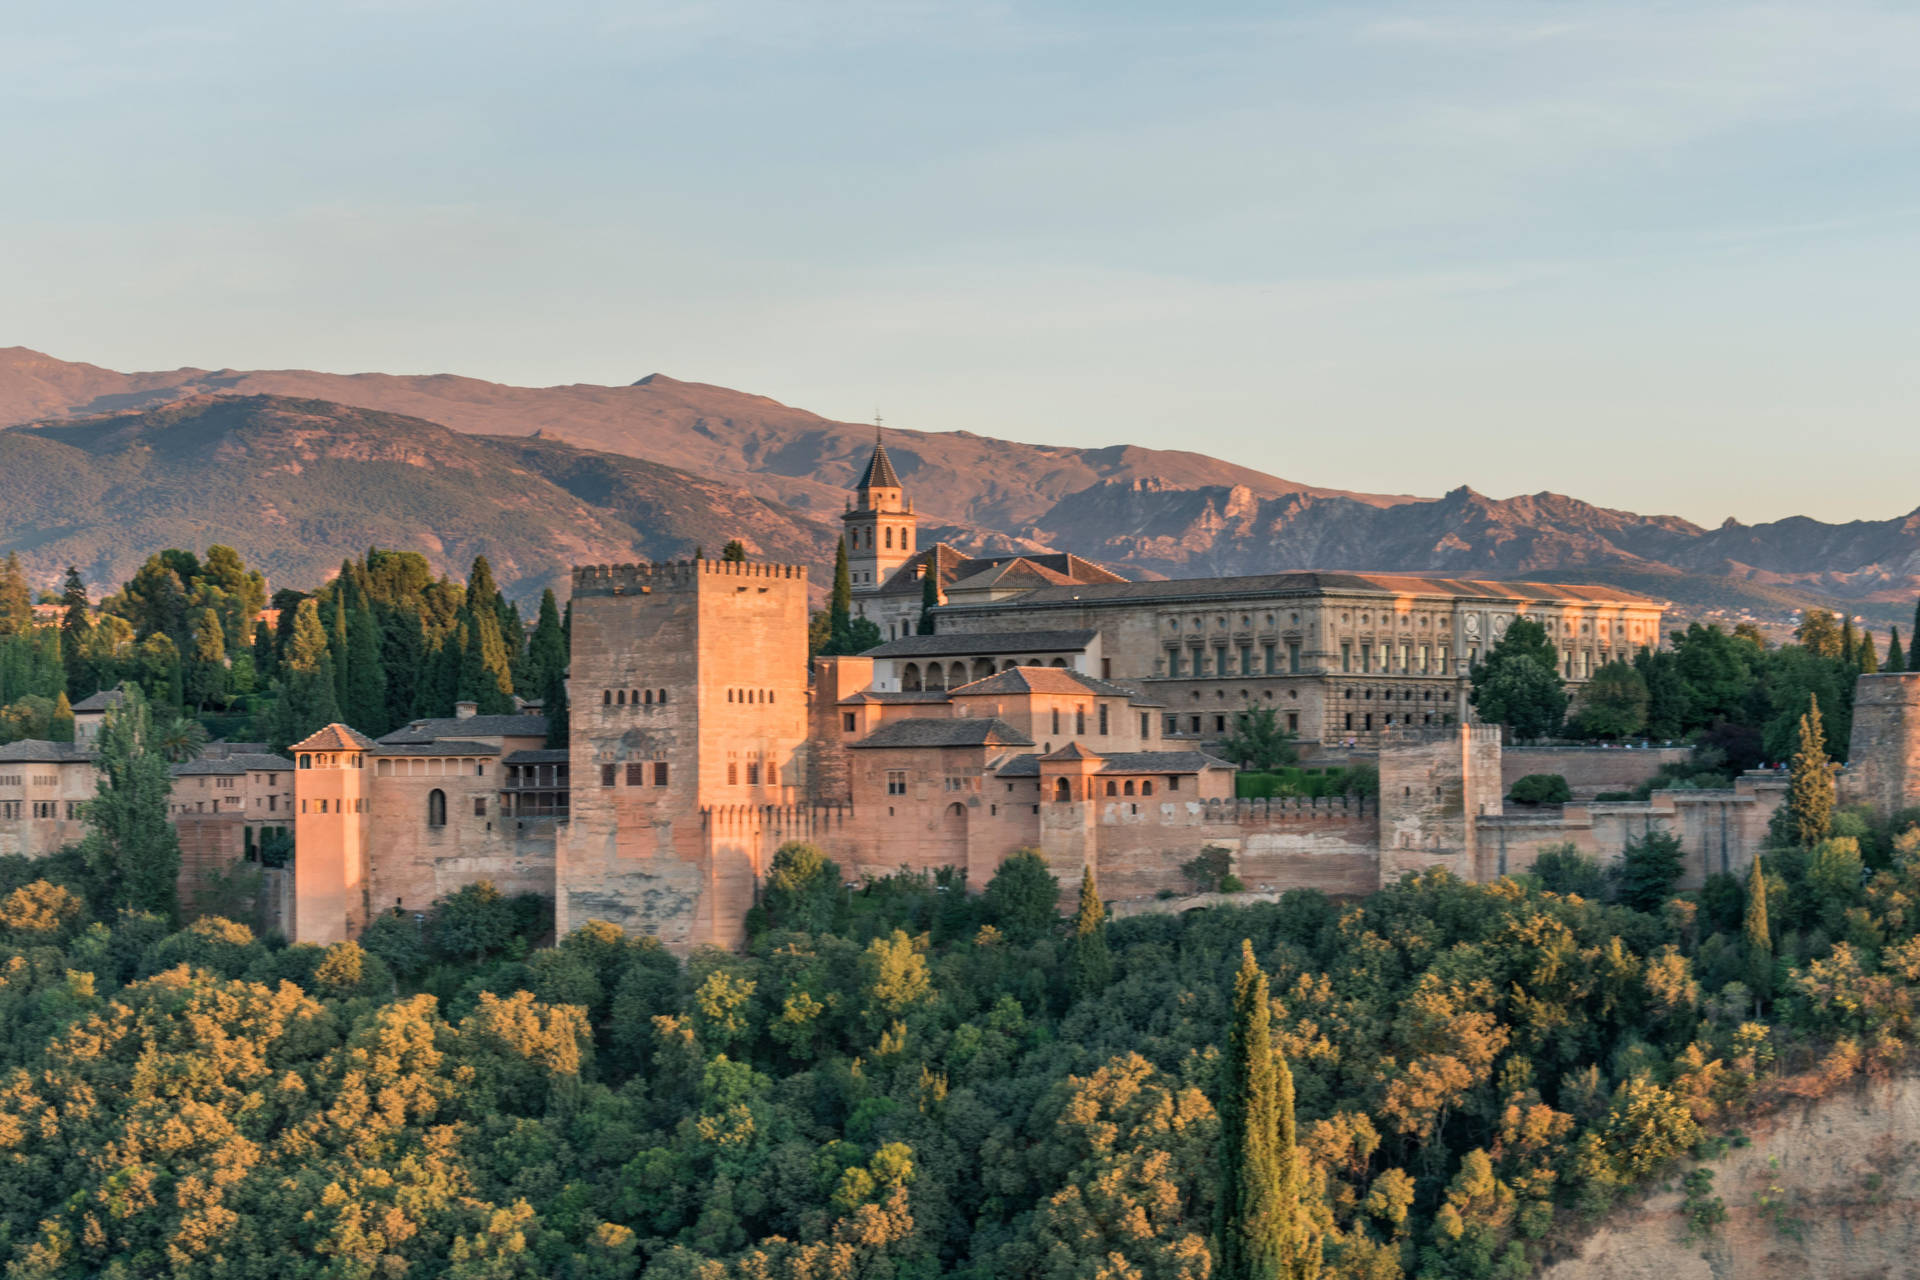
(1058, 707)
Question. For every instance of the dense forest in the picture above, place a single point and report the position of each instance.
(904, 1079)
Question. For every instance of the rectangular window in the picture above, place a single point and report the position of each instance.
(1366, 657)
(1173, 724)
(1173, 662)
(1346, 656)
(1106, 668)
(896, 782)
(1246, 660)
(733, 774)
(1293, 656)
(1267, 658)
(1194, 722)
(1349, 723)
(1146, 726)
(1103, 719)
(1423, 659)
(659, 773)
(1368, 721)
(1056, 719)
(479, 806)
(1220, 667)
(607, 774)
(753, 774)
(847, 721)
(636, 775)
(1219, 724)
(1173, 784)
(1403, 659)
(1293, 722)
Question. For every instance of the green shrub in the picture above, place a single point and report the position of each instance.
(1541, 788)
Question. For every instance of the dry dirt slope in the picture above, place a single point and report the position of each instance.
(1845, 1173)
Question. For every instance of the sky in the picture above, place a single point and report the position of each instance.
(1662, 257)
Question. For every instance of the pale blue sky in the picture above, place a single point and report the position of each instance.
(1659, 256)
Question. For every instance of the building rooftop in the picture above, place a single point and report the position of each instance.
(546, 755)
(879, 472)
(966, 732)
(897, 696)
(520, 726)
(335, 737)
(438, 747)
(1308, 583)
(959, 645)
(955, 566)
(101, 701)
(224, 765)
(1046, 680)
(41, 751)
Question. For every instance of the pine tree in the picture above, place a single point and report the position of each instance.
(1896, 658)
(929, 599)
(735, 552)
(131, 847)
(60, 729)
(1089, 963)
(1264, 1231)
(16, 601)
(547, 650)
(1759, 935)
(840, 603)
(1810, 783)
(207, 661)
(485, 678)
(76, 628)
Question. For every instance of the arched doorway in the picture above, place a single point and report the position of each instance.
(910, 677)
(1062, 791)
(951, 838)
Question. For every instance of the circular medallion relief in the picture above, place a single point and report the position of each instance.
(1500, 624)
(1472, 624)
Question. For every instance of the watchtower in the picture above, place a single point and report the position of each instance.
(330, 834)
(1884, 750)
(1435, 784)
(687, 692)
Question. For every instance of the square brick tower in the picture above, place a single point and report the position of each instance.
(332, 834)
(687, 692)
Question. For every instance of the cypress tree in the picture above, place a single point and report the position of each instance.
(263, 654)
(1264, 1232)
(1896, 659)
(547, 650)
(840, 603)
(207, 661)
(366, 702)
(307, 700)
(131, 846)
(61, 727)
(1759, 936)
(554, 706)
(929, 598)
(1089, 963)
(338, 646)
(16, 601)
(1867, 657)
(485, 678)
(1810, 782)
(1849, 647)
(75, 630)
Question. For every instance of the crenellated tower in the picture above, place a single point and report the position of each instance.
(879, 522)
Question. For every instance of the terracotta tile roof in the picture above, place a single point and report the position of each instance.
(1316, 582)
(1045, 680)
(438, 747)
(964, 732)
(335, 737)
(1073, 751)
(954, 566)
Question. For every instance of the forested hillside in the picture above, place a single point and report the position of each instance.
(905, 1080)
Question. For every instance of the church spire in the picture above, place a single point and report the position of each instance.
(879, 473)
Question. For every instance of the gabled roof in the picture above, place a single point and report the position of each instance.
(879, 472)
(954, 566)
(335, 737)
(965, 732)
(41, 751)
(885, 696)
(1044, 680)
(1073, 751)
(464, 727)
(965, 644)
(224, 765)
(101, 701)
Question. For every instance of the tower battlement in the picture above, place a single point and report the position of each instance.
(645, 577)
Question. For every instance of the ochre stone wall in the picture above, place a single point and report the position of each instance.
(1589, 769)
(1884, 754)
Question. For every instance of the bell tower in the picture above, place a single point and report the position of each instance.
(879, 522)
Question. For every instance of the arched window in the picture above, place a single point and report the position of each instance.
(1146, 788)
(306, 762)
(1062, 791)
(662, 698)
(436, 808)
(889, 538)
(649, 697)
(606, 697)
(910, 677)
(623, 698)
(1112, 788)
(635, 699)
(1056, 719)
(1128, 789)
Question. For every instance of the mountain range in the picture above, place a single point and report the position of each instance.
(298, 468)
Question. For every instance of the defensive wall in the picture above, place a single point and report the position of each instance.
(1590, 770)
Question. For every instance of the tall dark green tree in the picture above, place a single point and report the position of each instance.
(1896, 657)
(1258, 740)
(1089, 962)
(264, 658)
(306, 698)
(840, 603)
(76, 628)
(155, 600)
(1866, 655)
(1519, 684)
(929, 600)
(554, 707)
(1264, 1232)
(131, 847)
(366, 706)
(735, 552)
(1849, 644)
(206, 671)
(547, 650)
(486, 676)
(1810, 783)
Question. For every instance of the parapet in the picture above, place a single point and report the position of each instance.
(672, 575)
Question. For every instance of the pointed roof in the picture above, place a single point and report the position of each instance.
(1073, 751)
(879, 472)
(335, 737)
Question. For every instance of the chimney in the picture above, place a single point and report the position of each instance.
(465, 710)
